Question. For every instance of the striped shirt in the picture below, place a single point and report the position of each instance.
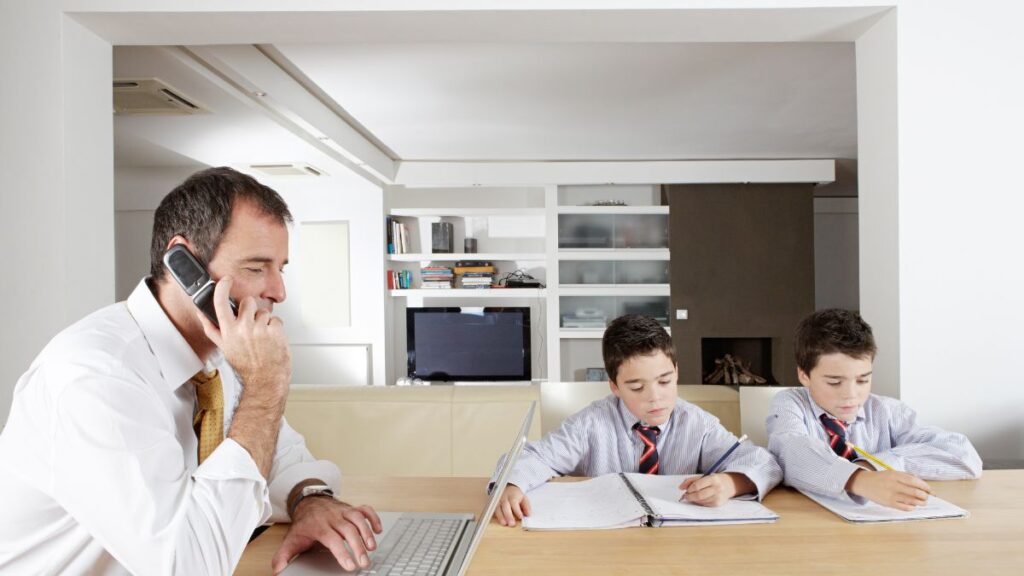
(600, 440)
(885, 427)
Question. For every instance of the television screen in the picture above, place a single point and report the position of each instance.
(472, 344)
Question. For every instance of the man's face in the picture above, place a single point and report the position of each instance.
(647, 385)
(840, 384)
(253, 251)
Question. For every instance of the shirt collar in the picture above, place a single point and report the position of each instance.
(178, 362)
(818, 410)
(630, 420)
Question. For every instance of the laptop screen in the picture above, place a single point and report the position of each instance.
(499, 486)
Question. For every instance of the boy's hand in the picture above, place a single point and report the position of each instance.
(715, 489)
(890, 488)
(513, 505)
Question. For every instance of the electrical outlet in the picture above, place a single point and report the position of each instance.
(682, 314)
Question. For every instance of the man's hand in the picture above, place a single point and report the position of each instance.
(254, 343)
(715, 489)
(890, 488)
(332, 523)
(513, 505)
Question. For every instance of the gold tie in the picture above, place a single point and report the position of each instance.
(209, 418)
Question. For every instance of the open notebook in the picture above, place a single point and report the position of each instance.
(626, 500)
(870, 512)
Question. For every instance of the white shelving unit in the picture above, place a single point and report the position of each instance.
(509, 225)
(583, 334)
(465, 212)
(629, 277)
(469, 293)
(600, 272)
(614, 254)
(613, 290)
(456, 256)
(622, 210)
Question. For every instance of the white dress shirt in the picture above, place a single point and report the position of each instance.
(600, 440)
(885, 427)
(99, 469)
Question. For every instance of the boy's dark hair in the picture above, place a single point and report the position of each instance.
(829, 331)
(199, 209)
(633, 335)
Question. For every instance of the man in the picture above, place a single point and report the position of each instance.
(144, 439)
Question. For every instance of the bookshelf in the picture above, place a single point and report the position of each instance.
(509, 225)
(608, 259)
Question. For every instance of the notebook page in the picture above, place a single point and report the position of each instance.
(662, 494)
(934, 508)
(598, 503)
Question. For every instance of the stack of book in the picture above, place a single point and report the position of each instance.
(398, 236)
(436, 277)
(399, 279)
(475, 273)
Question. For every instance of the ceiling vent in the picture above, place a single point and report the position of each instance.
(296, 169)
(149, 96)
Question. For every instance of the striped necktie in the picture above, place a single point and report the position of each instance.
(836, 431)
(649, 458)
(209, 419)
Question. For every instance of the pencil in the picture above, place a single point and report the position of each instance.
(714, 467)
(865, 454)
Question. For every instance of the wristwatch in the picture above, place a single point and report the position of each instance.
(307, 491)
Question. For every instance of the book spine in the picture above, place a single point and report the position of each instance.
(650, 518)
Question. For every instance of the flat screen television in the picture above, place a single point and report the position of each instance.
(468, 344)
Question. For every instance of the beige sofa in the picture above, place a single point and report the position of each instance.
(447, 430)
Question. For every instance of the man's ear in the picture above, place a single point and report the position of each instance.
(179, 239)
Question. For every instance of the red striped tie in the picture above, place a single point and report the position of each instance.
(836, 431)
(649, 437)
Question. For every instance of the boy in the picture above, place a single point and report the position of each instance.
(808, 427)
(642, 426)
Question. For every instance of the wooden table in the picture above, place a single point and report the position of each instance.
(807, 539)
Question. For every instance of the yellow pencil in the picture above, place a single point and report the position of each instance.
(865, 454)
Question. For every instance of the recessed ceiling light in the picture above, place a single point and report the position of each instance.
(286, 169)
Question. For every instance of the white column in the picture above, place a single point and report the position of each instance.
(56, 219)
(878, 202)
(960, 205)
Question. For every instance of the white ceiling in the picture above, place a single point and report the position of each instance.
(590, 101)
(519, 101)
(233, 133)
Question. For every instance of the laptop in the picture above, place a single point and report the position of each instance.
(422, 543)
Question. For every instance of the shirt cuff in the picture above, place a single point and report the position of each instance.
(282, 482)
(838, 475)
(230, 461)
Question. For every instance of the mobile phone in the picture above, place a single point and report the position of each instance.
(194, 280)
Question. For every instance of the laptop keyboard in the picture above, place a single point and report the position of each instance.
(420, 546)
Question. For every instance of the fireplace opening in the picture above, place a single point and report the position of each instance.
(737, 361)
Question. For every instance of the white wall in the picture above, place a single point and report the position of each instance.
(56, 207)
(961, 301)
(341, 197)
(878, 201)
(137, 192)
(836, 267)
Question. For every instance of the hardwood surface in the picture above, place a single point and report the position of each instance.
(807, 539)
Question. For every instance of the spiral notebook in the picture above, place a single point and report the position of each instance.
(849, 510)
(626, 500)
